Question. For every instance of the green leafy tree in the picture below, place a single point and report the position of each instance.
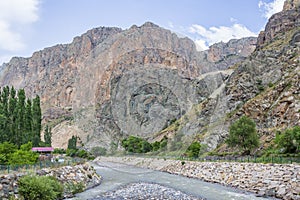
(36, 121)
(242, 134)
(20, 119)
(23, 156)
(72, 143)
(5, 113)
(136, 145)
(12, 117)
(193, 150)
(48, 136)
(289, 140)
(28, 133)
(6, 149)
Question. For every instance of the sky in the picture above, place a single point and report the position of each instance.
(27, 26)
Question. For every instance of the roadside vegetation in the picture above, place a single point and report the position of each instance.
(242, 144)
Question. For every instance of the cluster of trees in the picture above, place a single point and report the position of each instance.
(20, 117)
(10, 154)
(243, 134)
(73, 151)
(134, 144)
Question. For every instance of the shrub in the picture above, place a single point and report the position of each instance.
(40, 187)
(6, 149)
(74, 188)
(289, 140)
(24, 155)
(136, 145)
(242, 134)
(59, 151)
(98, 151)
(193, 150)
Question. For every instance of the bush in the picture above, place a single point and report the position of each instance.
(289, 140)
(136, 145)
(23, 156)
(242, 134)
(98, 151)
(6, 149)
(40, 187)
(75, 188)
(193, 150)
(59, 151)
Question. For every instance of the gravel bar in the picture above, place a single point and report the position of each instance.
(142, 190)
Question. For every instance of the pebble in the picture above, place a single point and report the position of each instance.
(141, 191)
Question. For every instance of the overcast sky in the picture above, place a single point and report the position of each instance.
(30, 25)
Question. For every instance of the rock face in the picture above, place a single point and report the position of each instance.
(265, 87)
(281, 22)
(111, 82)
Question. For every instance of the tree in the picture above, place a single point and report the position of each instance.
(193, 150)
(12, 117)
(72, 143)
(242, 133)
(289, 140)
(6, 149)
(36, 121)
(20, 117)
(136, 145)
(48, 137)
(28, 134)
(23, 156)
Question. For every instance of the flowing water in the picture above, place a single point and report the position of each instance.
(117, 175)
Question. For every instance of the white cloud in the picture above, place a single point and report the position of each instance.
(170, 24)
(207, 37)
(271, 8)
(15, 14)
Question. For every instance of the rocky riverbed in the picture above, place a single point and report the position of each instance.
(274, 180)
(146, 191)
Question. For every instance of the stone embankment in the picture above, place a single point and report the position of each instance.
(83, 173)
(275, 180)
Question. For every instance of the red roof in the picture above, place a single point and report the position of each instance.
(43, 149)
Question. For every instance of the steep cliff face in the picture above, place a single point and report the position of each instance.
(111, 82)
(286, 20)
(264, 87)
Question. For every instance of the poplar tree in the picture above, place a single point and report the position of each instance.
(12, 116)
(28, 122)
(20, 120)
(48, 136)
(36, 121)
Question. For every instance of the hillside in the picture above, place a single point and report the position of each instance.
(86, 86)
(146, 81)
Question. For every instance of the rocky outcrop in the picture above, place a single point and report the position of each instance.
(281, 22)
(83, 173)
(111, 82)
(275, 180)
(291, 4)
(264, 87)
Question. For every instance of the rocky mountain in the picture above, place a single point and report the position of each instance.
(110, 83)
(265, 87)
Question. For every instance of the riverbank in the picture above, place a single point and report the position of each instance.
(274, 180)
(72, 175)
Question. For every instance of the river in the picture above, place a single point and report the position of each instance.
(117, 175)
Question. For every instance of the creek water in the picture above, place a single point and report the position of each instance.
(116, 175)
